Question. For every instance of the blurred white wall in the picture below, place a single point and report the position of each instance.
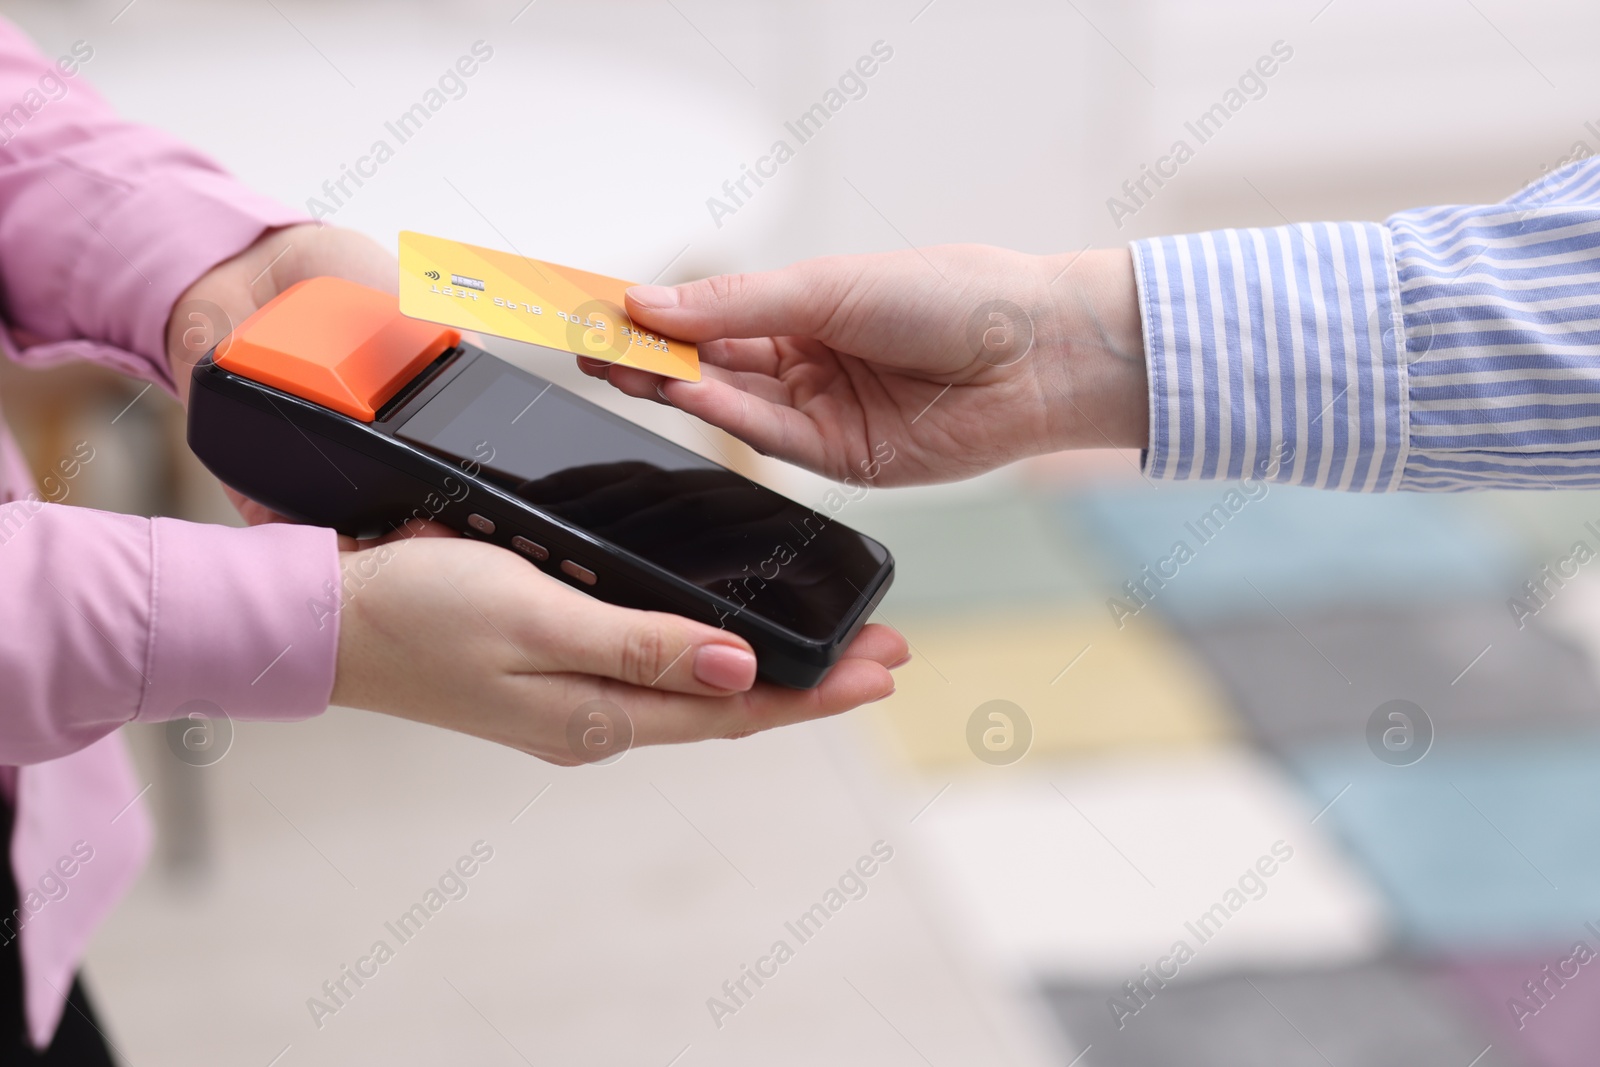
(598, 131)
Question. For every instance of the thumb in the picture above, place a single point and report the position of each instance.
(796, 301)
(644, 648)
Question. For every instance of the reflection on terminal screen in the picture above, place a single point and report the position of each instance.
(679, 511)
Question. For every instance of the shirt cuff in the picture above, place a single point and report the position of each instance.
(155, 242)
(98, 262)
(246, 620)
(1275, 355)
(1500, 309)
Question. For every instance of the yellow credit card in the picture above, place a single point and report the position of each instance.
(508, 295)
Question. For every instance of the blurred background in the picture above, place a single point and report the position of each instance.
(1391, 889)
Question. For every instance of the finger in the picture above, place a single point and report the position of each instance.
(795, 301)
(253, 513)
(650, 649)
(412, 527)
(636, 383)
(644, 385)
(879, 643)
(773, 428)
(850, 684)
(756, 354)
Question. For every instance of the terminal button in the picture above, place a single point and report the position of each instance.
(481, 524)
(581, 573)
(532, 549)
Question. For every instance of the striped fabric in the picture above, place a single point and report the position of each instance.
(1451, 348)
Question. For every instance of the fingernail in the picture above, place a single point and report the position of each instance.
(725, 667)
(881, 699)
(901, 662)
(654, 296)
(661, 391)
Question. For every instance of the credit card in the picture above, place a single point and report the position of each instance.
(508, 295)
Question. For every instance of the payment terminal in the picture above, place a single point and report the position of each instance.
(331, 407)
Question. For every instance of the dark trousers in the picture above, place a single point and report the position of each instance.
(77, 1042)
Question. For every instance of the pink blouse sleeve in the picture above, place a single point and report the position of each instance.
(112, 618)
(104, 223)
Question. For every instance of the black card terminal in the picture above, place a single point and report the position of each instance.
(331, 407)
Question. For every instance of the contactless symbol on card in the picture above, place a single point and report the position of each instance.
(529, 300)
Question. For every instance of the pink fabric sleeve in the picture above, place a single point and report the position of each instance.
(111, 618)
(115, 618)
(103, 223)
(105, 619)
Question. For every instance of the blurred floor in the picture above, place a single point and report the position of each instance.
(618, 900)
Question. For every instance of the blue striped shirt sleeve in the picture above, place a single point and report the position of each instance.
(1449, 348)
